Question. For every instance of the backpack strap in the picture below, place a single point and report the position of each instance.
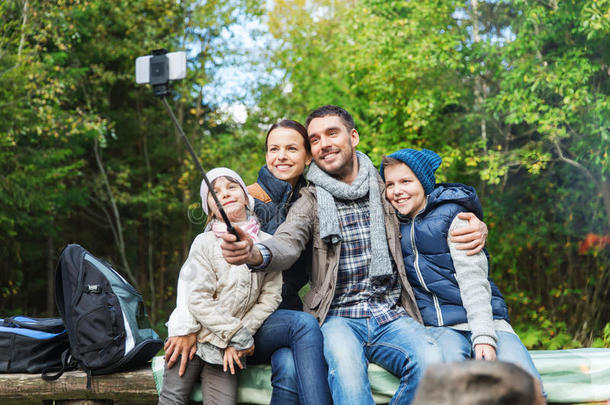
(67, 363)
(256, 191)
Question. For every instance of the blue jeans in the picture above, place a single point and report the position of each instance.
(292, 341)
(401, 346)
(457, 346)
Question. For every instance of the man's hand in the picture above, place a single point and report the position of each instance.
(185, 346)
(471, 238)
(484, 352)
(242, 251)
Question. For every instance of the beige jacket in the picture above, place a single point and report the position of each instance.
(219, 299)
(301, 231)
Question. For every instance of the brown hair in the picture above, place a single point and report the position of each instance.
(388, 161)
(327, 110)
(290, 124)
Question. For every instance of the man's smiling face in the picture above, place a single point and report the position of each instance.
(333, 146)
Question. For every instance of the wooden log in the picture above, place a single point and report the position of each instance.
(133, 387)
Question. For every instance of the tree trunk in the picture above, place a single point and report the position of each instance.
(185, 232)
(479, 91)
(50, 276)
(149, 225)
(120, 242)
(605, 190)
(24, 22)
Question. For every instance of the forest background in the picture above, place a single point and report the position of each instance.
(515, 95)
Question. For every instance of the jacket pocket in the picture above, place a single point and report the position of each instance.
(312, 299)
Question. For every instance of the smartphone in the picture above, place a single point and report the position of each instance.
(175, 65)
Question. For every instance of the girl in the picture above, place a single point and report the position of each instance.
(452, 290)
(224, 304)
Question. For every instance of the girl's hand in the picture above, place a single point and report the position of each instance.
(484, 352)
(231, 355)
(184, 347)
(234, 355)
(247, 352)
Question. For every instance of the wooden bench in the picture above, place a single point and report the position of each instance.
(570, 376)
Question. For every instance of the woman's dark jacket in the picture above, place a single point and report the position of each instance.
(271, 206)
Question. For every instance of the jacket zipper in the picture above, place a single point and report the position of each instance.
(244, 307)
(437, 307)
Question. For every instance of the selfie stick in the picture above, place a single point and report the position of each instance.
(161, 89)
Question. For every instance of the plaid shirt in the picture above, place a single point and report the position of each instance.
(355, 294)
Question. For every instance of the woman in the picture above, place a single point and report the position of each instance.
(290, 339)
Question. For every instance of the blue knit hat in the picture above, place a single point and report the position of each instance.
(423, 163)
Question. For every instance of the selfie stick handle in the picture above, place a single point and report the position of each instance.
(205, 178)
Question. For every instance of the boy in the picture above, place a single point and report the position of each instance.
(454, 295)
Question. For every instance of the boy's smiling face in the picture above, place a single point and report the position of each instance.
(403, 190)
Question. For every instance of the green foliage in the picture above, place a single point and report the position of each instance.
(604, 340)
(548, 337)
(67, 91)
(515, 95)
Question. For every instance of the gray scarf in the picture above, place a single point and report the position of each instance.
(328, 188)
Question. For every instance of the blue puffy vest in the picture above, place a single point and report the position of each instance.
(428, 259)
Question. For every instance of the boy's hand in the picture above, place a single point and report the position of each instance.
(183, 346)
(484, 352)
(471, 238)
(242, 251)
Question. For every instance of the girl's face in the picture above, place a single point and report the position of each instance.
(403, 190)
(286, 154)
(232, 198)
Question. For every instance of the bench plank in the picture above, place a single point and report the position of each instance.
(132, 387)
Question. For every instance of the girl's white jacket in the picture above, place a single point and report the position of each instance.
(218, 299)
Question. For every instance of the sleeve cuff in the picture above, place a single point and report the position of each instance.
(266, 253)
(242, 340)
(182, 331)
(484, 340)
(181, 324)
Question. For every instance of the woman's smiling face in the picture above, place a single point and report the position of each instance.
(286, 154)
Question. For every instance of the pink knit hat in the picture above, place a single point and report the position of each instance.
(222, 172)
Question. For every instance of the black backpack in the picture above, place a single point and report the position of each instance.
(31, 345)
(107, 324)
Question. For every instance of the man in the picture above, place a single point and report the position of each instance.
(359, 291)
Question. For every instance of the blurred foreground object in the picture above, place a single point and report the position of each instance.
(478, 382)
